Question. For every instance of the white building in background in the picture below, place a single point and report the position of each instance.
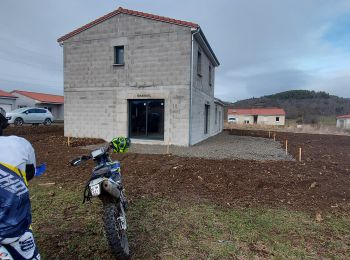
(343, 122)
(7, 101)
(260, 116)
(54, 103)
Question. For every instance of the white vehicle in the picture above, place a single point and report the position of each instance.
(29, 115)
(232, 120)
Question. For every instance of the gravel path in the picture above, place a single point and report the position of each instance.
(221, 146)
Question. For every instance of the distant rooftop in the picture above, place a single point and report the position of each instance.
(343, 116)
(41, 97)
(200, 36)
(121, 10)
(6, 94)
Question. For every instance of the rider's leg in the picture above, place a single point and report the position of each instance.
(23, 247)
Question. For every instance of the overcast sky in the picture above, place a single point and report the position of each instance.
(264, 46)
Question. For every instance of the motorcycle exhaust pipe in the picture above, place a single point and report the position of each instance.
(111, 188)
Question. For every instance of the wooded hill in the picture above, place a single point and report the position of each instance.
(305, 105)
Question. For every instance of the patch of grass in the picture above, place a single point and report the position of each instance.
(169, 229)
(327, 120)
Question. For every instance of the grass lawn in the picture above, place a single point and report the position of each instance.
(170, 229)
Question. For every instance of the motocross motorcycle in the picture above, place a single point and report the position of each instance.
(106, 184)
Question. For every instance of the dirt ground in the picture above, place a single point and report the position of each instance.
(320, 183)
(222, 146)
(195, 208)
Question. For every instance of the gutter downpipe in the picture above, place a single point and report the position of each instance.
(194, 32)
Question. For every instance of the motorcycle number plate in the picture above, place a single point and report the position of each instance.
(95, 187)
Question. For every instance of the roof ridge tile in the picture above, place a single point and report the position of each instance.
(130, 12)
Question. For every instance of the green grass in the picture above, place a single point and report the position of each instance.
(328, 120)
(171, 229)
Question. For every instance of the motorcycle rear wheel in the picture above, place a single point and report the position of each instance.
(117, 237)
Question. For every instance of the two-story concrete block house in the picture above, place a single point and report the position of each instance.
(144, 76)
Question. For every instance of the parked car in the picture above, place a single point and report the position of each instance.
(232, 120)
(29, 115)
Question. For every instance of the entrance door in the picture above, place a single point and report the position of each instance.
(146, 119)
(255, 119)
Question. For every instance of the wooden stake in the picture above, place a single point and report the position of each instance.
(286, 146)
(68, 140)
(168, 148)
(299, 154)
(269, 134)
(274, 136)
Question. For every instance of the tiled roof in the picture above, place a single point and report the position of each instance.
(41, 97)
(121, 10)
(256, 111)
(6, 94)
(343, 116)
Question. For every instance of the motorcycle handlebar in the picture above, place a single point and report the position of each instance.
(83, 158)
(79, 160)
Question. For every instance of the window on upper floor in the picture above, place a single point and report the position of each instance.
(118, 55)
(199, 63)
(210, 76)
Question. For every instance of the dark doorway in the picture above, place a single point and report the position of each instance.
(255, 119)
(146, 119)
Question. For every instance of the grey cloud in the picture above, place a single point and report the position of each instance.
(267, 83)
(259, 43)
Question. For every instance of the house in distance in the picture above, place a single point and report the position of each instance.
(7, 101)
(144, 76)
(343, 122)
(53, 103)
(261, 116)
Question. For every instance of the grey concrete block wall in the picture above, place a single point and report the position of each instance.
(156, 53)
(157, 59)
(104, 113)
(157, 66)
(94, 113)
(200, 99)
(201, 82)
(203, 94)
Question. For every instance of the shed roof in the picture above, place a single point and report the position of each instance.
(5, 94)
(41, 97)
(256, 111)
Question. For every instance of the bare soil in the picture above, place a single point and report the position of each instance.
(320, 183)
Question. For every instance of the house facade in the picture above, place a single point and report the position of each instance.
(260, 116)
(343, 122)
(147, 77)
(54, 103)
(7, 101)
